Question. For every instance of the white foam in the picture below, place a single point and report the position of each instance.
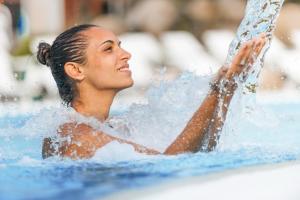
(28, 161)
(116, 152)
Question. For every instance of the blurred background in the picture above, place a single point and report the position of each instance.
(165, 37)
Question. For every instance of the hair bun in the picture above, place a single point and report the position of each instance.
(43, 54)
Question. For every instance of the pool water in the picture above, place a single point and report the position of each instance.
(24, 175)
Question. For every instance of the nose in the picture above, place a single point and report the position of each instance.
(125, 54)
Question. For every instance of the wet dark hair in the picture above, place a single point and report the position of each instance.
(69, 46)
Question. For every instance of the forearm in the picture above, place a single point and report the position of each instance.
(219, 118)
(190, 138)
(137, 147)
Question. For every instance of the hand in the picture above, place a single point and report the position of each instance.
(246, 56)
(220, 75)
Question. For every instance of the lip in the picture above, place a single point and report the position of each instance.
(124, 68)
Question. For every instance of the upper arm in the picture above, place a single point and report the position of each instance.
(83, 142)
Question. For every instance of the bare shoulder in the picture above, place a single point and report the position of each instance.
(79, 141)
(75, 140)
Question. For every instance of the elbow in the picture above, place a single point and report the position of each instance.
(48, 149)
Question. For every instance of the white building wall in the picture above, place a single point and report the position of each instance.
(44, 16)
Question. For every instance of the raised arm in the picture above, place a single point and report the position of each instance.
(205, 119)
(227, 94)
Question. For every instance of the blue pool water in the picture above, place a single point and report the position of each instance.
(24, 175)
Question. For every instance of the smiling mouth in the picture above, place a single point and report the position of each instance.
(124, 68)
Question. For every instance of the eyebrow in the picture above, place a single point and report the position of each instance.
(110, 41)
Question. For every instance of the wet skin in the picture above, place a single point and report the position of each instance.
(107, 72)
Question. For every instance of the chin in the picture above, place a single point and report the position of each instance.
(126, 85)
(130, 84)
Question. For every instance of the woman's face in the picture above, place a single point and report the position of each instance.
(107, 63)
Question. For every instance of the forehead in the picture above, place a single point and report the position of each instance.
(98, 35)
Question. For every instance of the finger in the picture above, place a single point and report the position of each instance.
(248, 56)
(258, 44)
(262, 42)
(252, 54)
(250, 59)
(261, 46)
(263, 35)
(247, 69)
(242, 55)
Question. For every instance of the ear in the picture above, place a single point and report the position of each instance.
(74, 70)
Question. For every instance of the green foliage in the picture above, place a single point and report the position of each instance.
(22, 48)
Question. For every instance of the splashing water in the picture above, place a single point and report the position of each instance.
(160, 121)
(252, 135)
(260, 18)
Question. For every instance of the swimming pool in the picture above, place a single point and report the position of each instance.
(253, 135)
(24, 175)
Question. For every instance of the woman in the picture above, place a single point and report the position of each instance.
(90, 68)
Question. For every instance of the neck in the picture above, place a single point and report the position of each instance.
(94, 103)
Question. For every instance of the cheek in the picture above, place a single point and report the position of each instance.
(107, 58)
(104, 74)
(104, 65)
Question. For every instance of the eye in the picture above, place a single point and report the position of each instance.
(108, 49)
